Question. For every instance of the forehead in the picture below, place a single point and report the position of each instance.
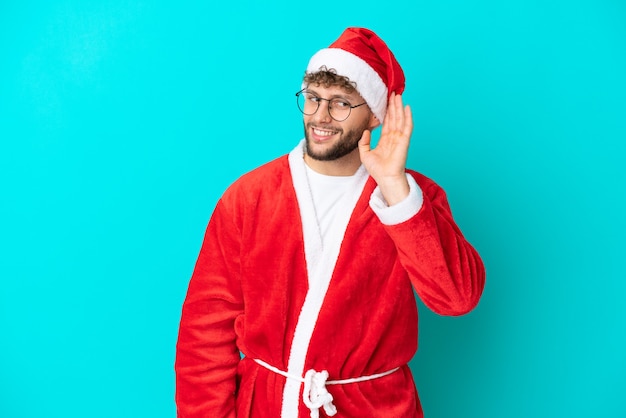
(334, 91)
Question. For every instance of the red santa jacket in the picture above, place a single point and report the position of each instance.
(246, 296)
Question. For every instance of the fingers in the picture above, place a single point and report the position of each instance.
(390, 117)
(408, 121)
(398, 117)
(390, 123)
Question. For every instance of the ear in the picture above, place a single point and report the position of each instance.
(374, 122)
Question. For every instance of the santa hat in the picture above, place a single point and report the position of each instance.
(364, 58)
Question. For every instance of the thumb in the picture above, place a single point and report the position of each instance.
(364, 142)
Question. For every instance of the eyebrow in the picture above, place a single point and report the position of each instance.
(334, 96)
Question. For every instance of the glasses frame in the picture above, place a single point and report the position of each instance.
(298, 94)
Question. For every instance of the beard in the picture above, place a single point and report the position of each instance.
(347, 142)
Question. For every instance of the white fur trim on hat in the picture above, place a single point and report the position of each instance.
(368, 83)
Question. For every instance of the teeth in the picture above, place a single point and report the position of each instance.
(323, 133)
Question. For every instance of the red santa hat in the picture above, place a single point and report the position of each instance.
(364, 58)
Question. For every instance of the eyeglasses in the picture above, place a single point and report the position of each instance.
(338, 109)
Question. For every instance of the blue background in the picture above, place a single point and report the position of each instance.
(122, 122)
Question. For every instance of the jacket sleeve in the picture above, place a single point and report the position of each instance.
(445, 270)
(206, 352)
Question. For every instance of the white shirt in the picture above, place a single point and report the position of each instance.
(328, 192)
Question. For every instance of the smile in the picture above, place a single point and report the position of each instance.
(323, 132)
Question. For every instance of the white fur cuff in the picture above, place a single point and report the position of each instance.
(402, 211)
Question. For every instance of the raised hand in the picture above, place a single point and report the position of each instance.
(387, 162)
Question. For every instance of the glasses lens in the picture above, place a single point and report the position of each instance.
(307, 103)
(339, 109)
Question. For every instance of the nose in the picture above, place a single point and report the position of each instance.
(323, 112)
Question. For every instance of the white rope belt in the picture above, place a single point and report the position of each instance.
(315, 395)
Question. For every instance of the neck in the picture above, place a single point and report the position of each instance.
(344, 166)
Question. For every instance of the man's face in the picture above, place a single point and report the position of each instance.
(329, 140)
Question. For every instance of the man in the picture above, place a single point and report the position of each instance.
(301, 302)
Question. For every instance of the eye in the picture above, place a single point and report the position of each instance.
(340, 104)
(311, 98)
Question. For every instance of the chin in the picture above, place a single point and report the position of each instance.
(333, 152)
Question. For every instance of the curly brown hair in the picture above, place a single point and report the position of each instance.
(328, 77)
